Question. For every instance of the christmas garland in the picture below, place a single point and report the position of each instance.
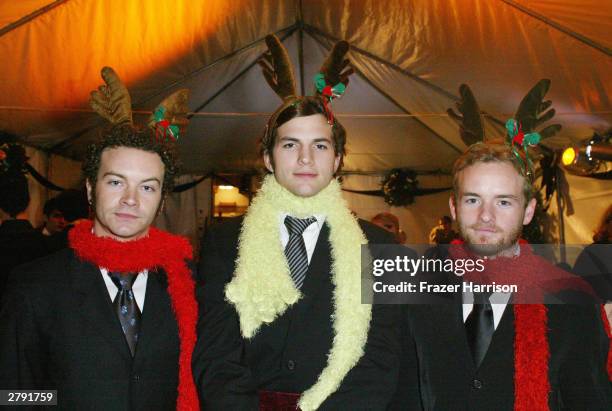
(400, 186)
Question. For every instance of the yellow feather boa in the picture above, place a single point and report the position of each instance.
(262, 288)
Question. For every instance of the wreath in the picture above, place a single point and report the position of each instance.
(12, 158)
(400, 186)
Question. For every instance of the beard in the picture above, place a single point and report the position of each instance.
(498, 247)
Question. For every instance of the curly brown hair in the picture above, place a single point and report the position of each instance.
(140, 138)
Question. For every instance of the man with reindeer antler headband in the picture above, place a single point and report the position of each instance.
(282, 324)
(110, 321)
(538, 346)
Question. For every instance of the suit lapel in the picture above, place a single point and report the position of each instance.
(503, 337)
(459, 325)
(156, 315)
(94, 305)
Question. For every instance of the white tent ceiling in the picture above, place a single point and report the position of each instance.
(410, 57)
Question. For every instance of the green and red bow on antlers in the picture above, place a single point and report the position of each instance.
(328, 93)
(163, 129)
(519, 140)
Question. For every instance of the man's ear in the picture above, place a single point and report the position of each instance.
(337, 162)
(161, 207)
(529, 211)
(451, 206)
(89, 188)
(268, 162)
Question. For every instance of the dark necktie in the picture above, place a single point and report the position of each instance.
(126, 308)
(295, 251)
(479, 327)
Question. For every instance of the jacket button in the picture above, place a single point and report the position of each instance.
(135, 377)
(477, 384)
(291, 365)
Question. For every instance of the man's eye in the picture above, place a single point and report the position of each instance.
(471, 200)
(505, 203)
(150, 189)
(321, 146)
(288, 145)
(114, 182)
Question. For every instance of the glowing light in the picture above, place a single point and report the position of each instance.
(226, 187)
(569, 156)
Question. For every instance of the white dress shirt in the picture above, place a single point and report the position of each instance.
(498, 301)
(138, 288)
(310, 234)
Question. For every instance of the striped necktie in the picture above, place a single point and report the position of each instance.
(295, 251)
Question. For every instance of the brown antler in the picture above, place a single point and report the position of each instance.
(175, 110)
(276, 68)
(336, 68)
(470, 123)
(112, 100)
(534, 110)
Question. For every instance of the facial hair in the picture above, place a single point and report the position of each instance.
(502, 246)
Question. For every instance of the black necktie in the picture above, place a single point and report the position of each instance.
(126, 308)
(479, 327)
(295, 251)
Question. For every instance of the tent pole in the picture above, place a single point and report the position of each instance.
(560, 210)
(397, 104)
(205, 67)
(68, 140)
(561, 28)
(313, 30)
(30, 17)
(300, 25)
(235, 78)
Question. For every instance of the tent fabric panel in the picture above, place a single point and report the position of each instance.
(416, 220)
(74, 40)
(495, 48)
(590, 18)
(185, 213)
(427, 107)
(381, 144)
(16, 10)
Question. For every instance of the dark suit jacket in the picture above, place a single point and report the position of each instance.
(19, 244)
(289, 354)
(594, 264)
(449, 380)
(59, 331)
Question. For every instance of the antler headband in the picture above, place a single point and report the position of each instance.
(531, 113)
(330, 82)
(112, 101)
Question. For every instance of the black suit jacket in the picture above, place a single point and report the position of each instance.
(59, 331)
(449, 380)
(289, 354)
(19, 244)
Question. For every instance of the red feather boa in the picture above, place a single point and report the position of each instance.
(158, 249)
(604, 318)
(531, 348)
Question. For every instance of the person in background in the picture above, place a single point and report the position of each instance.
(74, 207)
(443, 233)
(594, 263)
(390, 222)
(54, 221)
(19, 241)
